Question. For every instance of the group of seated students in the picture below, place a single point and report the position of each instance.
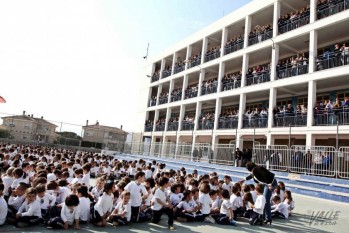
(294, 20)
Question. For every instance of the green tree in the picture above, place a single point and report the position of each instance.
(4, 133)
(72, 135)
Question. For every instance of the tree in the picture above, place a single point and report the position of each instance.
(4, 133)
(72, 135)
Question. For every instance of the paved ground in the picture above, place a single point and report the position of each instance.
(300, 221)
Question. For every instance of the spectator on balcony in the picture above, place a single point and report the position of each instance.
(345, 54)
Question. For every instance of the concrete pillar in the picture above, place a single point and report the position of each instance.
(224, 39)
(310, 140)
(245, 64)
(239, 142)
(162, 67)
(201, 79)
(276, 17)
(311, 102)
(272, 104)
(170, 90)
(274, 62)
(197, 115)
(177, 145)
(156, 117)
(168, 116)
(188, 55)
(313, 4)
(242, 106)
(192, 147)
(204, 49)
(185, 85)
(247, 30)
(158, 94)
(181, 116)
(174, 60)
(270, 139)
(312, 51)
(220, 76)
(217, 112)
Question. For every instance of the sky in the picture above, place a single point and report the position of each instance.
(76, 60)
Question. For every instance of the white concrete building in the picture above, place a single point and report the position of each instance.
(214, 109)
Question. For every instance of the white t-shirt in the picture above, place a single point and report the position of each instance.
(159, 194)
(46, 201)
(228, 186)
(148, 200)
(176, 198)
(187, 206)
(226, 205)
(206, 203)
(3, 210)
(235, 201)
(32, 209)
(282, 208)
(259, 204)
(7, 181)
(148, 174)
(66, 215)
(136, 190)
(85, 204)
(124, 208)
(104, 204)
(216, 203)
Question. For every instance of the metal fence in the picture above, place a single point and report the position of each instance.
(315, 160)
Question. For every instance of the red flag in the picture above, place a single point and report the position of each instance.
(2, 100)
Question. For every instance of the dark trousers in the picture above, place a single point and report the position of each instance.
(119, 219)
(135, 213)
(256, 218)
(158, 213)
(11, 212)
(31, 220)
(277, 214)
(221, 219)
(190, 216)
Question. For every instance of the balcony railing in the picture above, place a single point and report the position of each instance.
(212, 56)
(237, 45)
(292, 24)
(255, 122)
(331, 117)
(152, 103)
(209, 89)
(172, 126)
(187, 125)
(163, 100)
(290, 119)
(332, 59)
(178, 69)
(231, 84)
(194, 63)
(191, 94)
(206, 124)
(255, 39)
(160, 126)
(331, 8)
(166, 73)
(228, 122)
(286, 71)
(260, 77)
(176, 97)
(148, 128)
(155, 78)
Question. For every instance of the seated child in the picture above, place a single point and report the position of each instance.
(279, 209)
(121, 215)
(29, 213)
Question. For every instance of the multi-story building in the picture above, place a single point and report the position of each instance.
(27, 127)
(110, 137)
(271, 71)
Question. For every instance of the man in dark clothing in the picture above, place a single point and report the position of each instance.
(238, 157)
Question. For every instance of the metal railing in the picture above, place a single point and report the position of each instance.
(191, 93)
(176, 97)
(332, 59)
(206, 124)
(255, 39)
(187, 125)
(160, 126)
(155, 78)
(229, 85)
(194, 63)
(295, 23)
(172, 126)
(331, 8)
(179, 69)
(273, 157)
(255, 122)
(237, 45)
(289, 71)
(148, 127)
(293, 119)
(228, 122)
(152, 103)
(211, 56)
(163, 100)
(209, 89)
(331, 117)
(166, 73)
(260, 77)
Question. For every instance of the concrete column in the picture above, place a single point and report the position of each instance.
(170, 90)
(242, 106)
(272, 104)
(181, 116)
(168, 116)
(204, 49)
(224, 39)
(239, 142)
(197, 115)
(244, 69)
(213, 144)
(313, 4)
(163, 146)
(270, 139)
(247, 30)
(192, 147)
(201, 79)
(158, 94)
(185, 85)
(312, 51)
(156, 117)
(274, 62)
(162, 67)
(220, 76)
(188, 55)
(217, 112)
(276, 17)
(311, 102)
(310, 140)
(174, 62)
(177, 145)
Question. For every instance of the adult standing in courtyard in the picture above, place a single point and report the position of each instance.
(263, 176)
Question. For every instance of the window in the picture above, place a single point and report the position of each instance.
(343, 94)
(283, 102)
(253, 106)
(302, 101)
(320, 99)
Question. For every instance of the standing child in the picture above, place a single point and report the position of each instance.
(104, 206)
(258, 207)
(121, 215)
(162, 204)
(29, 213)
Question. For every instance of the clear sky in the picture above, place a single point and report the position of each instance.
(77, 60)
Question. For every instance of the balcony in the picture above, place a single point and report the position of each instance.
(289, 70)
(325, 117)
(172, 126)
(290, 119)
(206, 124)
(209, 56)
(166, 73)
(155, 77)
(229, 122)
(230, 84)
(187, 125)
(291, 24)
(209, 87)
(258, 77)
(176, 97)
(332, 59)
(191, 92)
(163, 100)
(330, 8)
(234, 46)
(148, 128)
(258, 37)
(179, 69)
(250, 122)
(194, 62)
(160, 126)
(152, 102)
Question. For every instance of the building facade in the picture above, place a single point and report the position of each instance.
(274, 72)
(110, 137)
(27, 127)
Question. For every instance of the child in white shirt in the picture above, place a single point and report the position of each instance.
(3, 206)
(84, 203)
(121, 215)
(29, 213)
(176, 195)
(226, 215)
(46, 200)
(258, 207)
(70, 212)
(279, 209)
(97, 191)
(186, 210)
(104, 206)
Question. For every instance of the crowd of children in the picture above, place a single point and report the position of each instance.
(51, 186)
